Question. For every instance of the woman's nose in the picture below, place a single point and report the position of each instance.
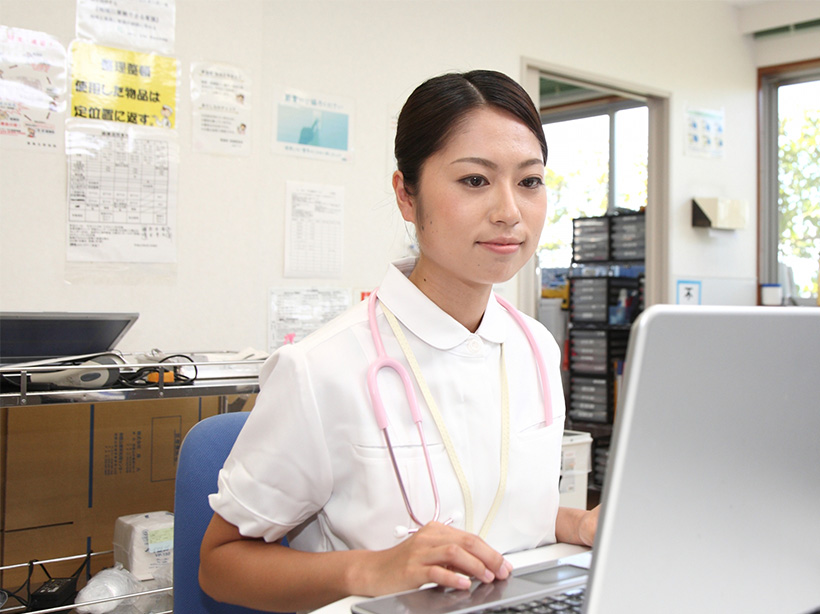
(505, 206)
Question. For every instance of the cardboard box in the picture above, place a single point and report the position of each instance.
(41, 544)
(575, 466)
(73, 469)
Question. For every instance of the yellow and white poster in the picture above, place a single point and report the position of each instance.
(32, 90)
(123, 86)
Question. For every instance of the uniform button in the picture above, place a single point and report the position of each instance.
(474, 345)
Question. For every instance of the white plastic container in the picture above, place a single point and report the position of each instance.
(576, 453)
(144, 543)
(771, 294)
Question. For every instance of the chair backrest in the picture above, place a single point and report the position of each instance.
(201, 456)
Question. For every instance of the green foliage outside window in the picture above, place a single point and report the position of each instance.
(799, 195)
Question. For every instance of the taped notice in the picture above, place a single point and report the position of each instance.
(122, 193)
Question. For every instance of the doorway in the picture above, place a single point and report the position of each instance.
(565, 95)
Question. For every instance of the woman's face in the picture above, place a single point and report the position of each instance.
(480, 202)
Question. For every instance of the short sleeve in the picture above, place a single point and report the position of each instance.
(278, 473)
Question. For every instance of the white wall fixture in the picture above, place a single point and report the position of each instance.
(721, 213)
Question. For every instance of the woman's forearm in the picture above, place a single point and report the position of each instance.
(575, 526)
(266, 576)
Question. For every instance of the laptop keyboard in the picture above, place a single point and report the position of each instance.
(569, 602)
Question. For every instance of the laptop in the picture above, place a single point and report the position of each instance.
(45, 337)
(711, 501)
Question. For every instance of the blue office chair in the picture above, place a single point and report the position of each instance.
(203, 452)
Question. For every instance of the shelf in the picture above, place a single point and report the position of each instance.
(213, 379)
(606, 294)
(197, 389)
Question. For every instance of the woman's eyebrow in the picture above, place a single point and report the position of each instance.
(492, 165)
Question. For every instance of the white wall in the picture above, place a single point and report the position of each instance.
(231, 210)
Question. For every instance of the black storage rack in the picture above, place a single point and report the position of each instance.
(606, 294)
(591, 298)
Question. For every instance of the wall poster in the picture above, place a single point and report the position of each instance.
(294, 313)
(123, 86)
(137, 24)
(314, 233)
(313, 126)
(705, 133)
(221, 101)
(122, 187)
(32, 90)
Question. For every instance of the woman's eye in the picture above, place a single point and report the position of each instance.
(475, 181)
(532, 182)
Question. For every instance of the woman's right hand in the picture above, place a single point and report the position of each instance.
(436, 553)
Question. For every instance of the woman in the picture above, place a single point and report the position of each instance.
(312, 464)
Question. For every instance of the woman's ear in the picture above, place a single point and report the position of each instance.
(406, 203)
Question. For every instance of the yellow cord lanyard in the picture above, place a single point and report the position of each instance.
(445, 436)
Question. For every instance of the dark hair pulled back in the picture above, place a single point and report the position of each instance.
(437, 107)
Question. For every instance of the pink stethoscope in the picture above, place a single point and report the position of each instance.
(384, 361)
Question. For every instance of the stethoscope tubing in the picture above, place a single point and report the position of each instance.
(383, 361)
(539, 358)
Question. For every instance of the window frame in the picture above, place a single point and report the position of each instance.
(582, 111)
(769, 79)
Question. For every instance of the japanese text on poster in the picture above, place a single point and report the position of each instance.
(135, 24)
(314, 237)
(123, 86)
(297, 312)
(220, 95)
(32, 89)
(313, 126)
(122, 184)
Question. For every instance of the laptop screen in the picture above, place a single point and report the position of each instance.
(26, 337)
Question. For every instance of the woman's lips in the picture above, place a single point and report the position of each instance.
(501, 246)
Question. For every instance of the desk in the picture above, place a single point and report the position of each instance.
(518, 559)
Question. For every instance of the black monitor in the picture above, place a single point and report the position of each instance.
(34, 336)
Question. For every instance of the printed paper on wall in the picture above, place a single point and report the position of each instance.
(32, 90)
(221, 100)
(314, 234)
(134, 24)
(705, 133)
(122, 193)
(122, 86)
(313, 126)
(296, 312)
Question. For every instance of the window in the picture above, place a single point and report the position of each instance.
(557, 92)
(790, 179)
(598, 150)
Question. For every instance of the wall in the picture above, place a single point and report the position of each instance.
(231, 210)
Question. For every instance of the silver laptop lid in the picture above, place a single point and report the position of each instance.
(712, 498)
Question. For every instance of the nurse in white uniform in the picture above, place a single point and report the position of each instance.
(463, 463)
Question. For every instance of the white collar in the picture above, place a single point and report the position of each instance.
(427, 320)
